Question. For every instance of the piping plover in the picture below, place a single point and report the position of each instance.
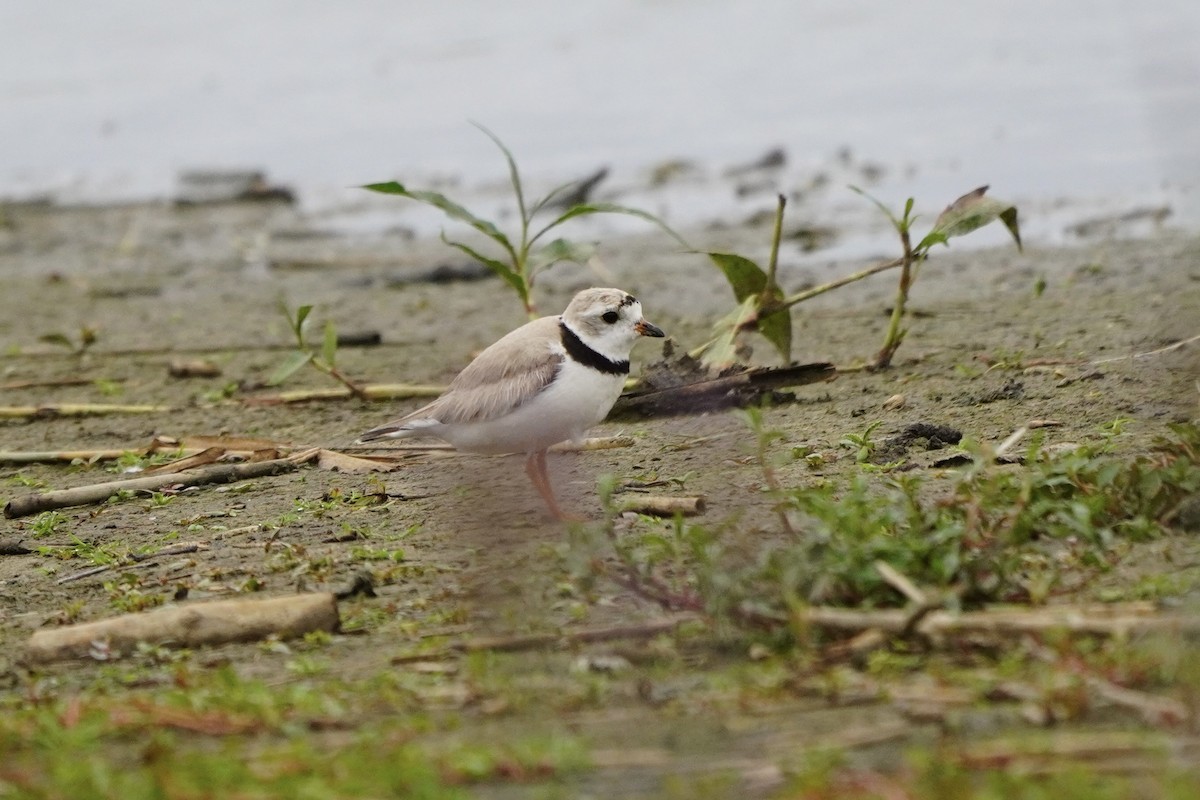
(546, 382)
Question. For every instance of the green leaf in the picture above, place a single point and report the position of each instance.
(499, 267)
(387, 187)
(974, 210)
(584, 209)
(931, 238)
(776, 328)
(298, 324)
(899, 225)
(746, 278)
(447, 207)
(555, 192)
(722, 351)
(1009, 217)
(559, 250)
(288, 368)
(513, 176)
(329, 348)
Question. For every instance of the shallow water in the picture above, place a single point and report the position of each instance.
(1090, 104)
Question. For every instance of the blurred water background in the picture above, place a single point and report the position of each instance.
(1073, 108)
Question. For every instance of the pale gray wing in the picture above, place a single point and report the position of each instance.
(514, 369)
(502, 377)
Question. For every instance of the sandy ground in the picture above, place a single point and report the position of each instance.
(157, 284)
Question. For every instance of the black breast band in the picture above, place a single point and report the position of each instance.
(585, 355)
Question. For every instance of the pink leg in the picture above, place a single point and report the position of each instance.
(535, 468)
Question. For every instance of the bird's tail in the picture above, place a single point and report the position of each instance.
(398, 430)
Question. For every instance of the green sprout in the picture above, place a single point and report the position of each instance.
(324, 361)
(968, 213)
(764, 307)
(522, 257)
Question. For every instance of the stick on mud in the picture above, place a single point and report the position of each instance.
(663, 506)
(76, 410)
(192, 625)
(98, 493)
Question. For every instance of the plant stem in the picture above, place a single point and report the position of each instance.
(773, 264)
(808, 294)
(355, 388)
(891, 342)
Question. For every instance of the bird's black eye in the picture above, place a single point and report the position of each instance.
(610, 317)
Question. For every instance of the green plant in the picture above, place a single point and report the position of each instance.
(521, 257)
(133, 461)
(861, 443)
(764, 437)
(71, 612)
(47, 523)
(1026, 765)
(121, 496)
(131, 744)
(762, 305)
(968, 213)
(106, 555)
(307, 666)
(995, 534)
(160, 500)
(228, 390)
(324, 361)
(376, 554)
(125, 595)
(26, 481)
(108, 387)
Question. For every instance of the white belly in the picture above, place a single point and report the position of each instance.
(579, 398)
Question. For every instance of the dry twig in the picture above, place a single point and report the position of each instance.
(1159, 351)
(100, 492)
(1118, 620)
(664, 506)
(76, 410)
(191, 625)
(381, 391)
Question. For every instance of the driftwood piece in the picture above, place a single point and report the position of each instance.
(98, 493)
(664, 506)
(593, 443)
(60, 456)
(382, 391)
(726, 391)
(1119, 619)
(192, 625)
(76, 410)
(188, 446)
(193, 368)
